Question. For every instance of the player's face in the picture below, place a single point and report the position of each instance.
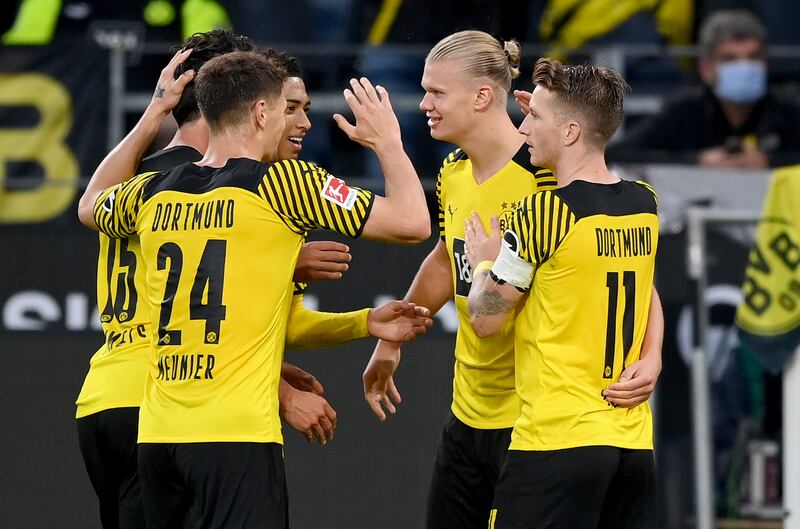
(297, 122)
(273, 128)
(449, 100)
(541, 129)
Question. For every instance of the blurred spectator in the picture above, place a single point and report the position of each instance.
(567, 25)
(734, 119)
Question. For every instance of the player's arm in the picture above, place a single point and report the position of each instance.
(121, 163)
(638, 380)
(432, 287)
(402, 215)
(394, 320)
(500, 275)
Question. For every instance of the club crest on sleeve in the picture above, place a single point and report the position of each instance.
(335, 190)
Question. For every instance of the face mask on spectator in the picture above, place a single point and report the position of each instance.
(742, 81)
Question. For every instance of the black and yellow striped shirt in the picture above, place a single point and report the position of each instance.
(219, 248)
(593, 249)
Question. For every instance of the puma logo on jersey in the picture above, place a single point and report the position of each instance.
(451, 211)
(335, 190)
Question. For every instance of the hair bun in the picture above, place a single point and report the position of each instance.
(513, 54)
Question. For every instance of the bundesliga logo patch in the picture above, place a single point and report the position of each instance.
(335, 190)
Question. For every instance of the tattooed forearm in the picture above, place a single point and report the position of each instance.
(490, 303)
(159, 92)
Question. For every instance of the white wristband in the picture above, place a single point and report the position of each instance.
(512, 268)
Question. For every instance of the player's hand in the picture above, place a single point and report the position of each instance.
(398, 321)
(301, 380)
(635, 384)
(321, 260)
(479, 245)
(376, 123)
(523, 99)
(379, 389)
(168, 89)
(308, 413)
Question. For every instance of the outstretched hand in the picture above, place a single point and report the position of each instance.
(376, 123)
(398, 321)
(380, 391)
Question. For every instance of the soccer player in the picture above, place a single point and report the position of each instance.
(466, 80)
(219, 240)
(108, 405)
(576, 270)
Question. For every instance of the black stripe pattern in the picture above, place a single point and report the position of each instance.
(541, 224)
(294, 190)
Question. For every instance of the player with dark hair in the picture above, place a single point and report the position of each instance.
(575, 269)
(215, 236)
(108, 405)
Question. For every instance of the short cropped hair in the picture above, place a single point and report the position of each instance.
(590, 93)
(228, 85)
(731, 24)
(204, 46)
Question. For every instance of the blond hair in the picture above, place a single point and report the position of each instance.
(481, 55)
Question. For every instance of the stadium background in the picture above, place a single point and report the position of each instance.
(60, 109)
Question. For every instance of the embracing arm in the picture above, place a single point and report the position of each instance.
(638, 380)
(121, 163)
(490, 302)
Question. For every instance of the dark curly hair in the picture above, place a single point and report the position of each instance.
(205, 46)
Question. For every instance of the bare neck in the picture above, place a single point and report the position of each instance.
(491, 145)
(193, 134)
(230, 144)
(583, 164)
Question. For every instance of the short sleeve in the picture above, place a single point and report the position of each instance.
(439, 205)
(117, 208)
(306, 196)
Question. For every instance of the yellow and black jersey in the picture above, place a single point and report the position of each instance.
(483, 383)
(593, 249)
(219, 248)
(118, 369)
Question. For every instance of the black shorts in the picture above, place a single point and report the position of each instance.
(213, 485)
(467, 466)
(108, 444)
(592, 487)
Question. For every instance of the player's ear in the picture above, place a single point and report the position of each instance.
(259, 114)
(571, 132)
(483, 97)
